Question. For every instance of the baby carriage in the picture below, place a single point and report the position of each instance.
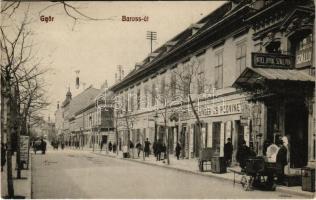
(258, 174)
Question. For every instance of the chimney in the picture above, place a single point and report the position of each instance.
(122, 73)
(116, 78)
(57, 105)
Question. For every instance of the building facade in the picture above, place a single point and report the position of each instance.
(229, 50)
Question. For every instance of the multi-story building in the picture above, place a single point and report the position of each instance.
(95, 120)
(262, 48)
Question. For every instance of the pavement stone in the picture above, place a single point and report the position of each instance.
(191, 166)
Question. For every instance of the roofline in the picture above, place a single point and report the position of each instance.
(198, 35)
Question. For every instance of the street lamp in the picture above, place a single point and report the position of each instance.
(90, 119)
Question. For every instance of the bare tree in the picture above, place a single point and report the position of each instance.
(20, 76)
(191, 84)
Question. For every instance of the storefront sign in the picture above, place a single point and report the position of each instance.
(304, 51)
(24, 147)
(216, 109)
(271, 60)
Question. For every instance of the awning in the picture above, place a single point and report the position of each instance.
(252, 77)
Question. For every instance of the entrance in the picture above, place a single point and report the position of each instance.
(296, 126)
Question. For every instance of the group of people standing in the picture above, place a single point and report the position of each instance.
(244, 152)
(110, 147)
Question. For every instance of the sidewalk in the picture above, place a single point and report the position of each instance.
(191, 166)
(22, 187)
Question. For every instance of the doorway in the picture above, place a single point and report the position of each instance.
(296, 127)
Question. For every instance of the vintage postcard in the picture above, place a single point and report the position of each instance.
(158, 99)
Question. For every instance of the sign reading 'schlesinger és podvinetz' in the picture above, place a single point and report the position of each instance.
(271, 60)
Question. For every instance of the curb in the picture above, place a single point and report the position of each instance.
(278, 189)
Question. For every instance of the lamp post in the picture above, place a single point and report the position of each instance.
(90, 119)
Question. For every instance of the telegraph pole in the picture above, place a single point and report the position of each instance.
(151, 35)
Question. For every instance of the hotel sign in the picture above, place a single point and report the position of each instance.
(271, 60)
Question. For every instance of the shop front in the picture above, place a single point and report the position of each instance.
(288, 99)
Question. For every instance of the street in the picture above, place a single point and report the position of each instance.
(82, 174)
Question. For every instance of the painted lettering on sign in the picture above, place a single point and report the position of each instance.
(269, 60)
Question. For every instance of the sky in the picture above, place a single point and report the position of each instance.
(97, 47)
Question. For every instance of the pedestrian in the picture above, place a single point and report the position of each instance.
(228, 152)
(114, 147)
(62, 145)
(244, 153)
(164, 151)
(101, 146)
(281, 160)
(155, 148)
(3, 155)
(147, 147)
(178, 150)
(158, 150)
(110, 146)
(43, 146)
(131, 147)
(266, 144)
(139, 148)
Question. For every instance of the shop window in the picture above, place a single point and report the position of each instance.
(219, 70)
(241, 58)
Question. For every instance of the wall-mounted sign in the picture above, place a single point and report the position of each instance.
(271, 60)
(304, 51)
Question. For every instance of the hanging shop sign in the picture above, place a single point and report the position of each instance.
(304, 49)
(271, 60)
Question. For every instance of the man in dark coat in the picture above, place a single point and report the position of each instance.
(43, 145)
(155, 148)
(178, 150)
(110, 146)
(139, 148)
(228, 152)
(3, 155)
(281, 161)
(147, 147)
(159, 149)
(243, 153)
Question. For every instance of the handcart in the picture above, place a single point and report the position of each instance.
(258, 174)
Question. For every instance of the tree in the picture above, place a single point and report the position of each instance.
(190, 82)
(20, 78)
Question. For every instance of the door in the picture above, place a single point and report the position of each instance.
(216, 137)
(296, 126)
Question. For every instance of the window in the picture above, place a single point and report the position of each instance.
(132, 101)
(138, 99)
(186, 79)
(154, 95)
(219, 70)
(201, 75)
(126, 102)
(145, 96)
(241, 58)
(173, 85)
(163, 85)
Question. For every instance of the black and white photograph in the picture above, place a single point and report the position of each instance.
(158, 99)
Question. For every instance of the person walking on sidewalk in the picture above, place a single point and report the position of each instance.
(110, 146)
(139, 148)
(281, 160)
(3, 155)
(159, 150)
(178, 150)
(147, 148)
(155, 148)
(228, 152)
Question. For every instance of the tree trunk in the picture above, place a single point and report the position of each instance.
(9, 145)
(199, 125)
